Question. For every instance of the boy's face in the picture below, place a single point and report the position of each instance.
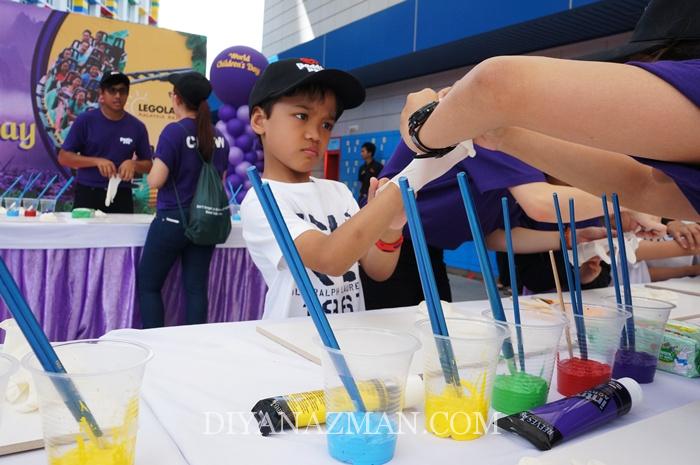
(295, 135)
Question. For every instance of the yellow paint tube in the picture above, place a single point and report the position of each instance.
(305, 409)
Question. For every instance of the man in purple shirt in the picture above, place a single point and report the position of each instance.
(102, 143)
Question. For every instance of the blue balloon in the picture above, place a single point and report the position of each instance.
(234, 127)
(235, 155)
(244, 142)
(227, 112)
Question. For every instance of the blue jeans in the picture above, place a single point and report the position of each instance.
(166, 241)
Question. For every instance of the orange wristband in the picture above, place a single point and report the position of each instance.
(389, 246)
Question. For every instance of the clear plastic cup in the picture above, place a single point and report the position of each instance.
(47, 205)
(579, 369)
(90, 414)
(522, 382)
(459, 408)
(12, 205)
(235, 211)
(8, 367)
(377, 361)
(650, 317)
(31, 206)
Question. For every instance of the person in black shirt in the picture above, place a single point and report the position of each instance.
(370, 169)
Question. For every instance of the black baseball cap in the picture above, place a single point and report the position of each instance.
(113, 78)
(191, 86)
(286, 75)
(663, 23)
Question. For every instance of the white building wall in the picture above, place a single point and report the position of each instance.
(291, 22)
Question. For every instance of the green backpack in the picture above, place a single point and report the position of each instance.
(210, 218)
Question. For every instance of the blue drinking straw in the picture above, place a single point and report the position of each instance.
(578, 316)
(301, 278)
(482, 255)
(46, 187)
(513, 281)
(64, 188)
(9, 189)
(625, 271)
(234, 193)
(28, 186)
(427, 279)
(43, 350)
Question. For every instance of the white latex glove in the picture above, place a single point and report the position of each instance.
(21, 391)
(423, 170)
(599, 248)
(112, 189)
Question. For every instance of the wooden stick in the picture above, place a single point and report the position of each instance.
(561, 301)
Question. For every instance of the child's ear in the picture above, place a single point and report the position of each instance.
(257, 120)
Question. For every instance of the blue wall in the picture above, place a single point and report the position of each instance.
(350, 159)
(419, 37)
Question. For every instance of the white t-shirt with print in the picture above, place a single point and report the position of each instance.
(321, 205)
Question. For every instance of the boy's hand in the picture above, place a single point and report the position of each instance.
(375, 186)
(643, 225)
(415, 101)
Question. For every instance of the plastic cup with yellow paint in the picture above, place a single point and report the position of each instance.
(107, 374)
(460, 412)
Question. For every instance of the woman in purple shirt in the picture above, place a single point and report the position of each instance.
(579, 120)
(176, 167)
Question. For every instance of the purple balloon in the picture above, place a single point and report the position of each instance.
(243, 114)
(235, 155)
(249, 130)
(235, 180)
(234, 72)
(227, 112)
(221, 127)
(241, 168)
(247, 184)
(260, 166)
(251, 157)
(244, 142)
(234, 127)
(241, 195)
(260, 155)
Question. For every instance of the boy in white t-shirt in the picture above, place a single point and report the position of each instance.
(293, 107)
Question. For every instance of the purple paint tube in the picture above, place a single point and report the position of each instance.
(558, 421)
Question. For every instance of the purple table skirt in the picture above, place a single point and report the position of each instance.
(84, 293)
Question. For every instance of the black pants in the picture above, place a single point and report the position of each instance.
(166, 241)
(403, 288)
(94, 197)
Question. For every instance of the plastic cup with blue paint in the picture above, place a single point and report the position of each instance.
(12, 205)
(235, 211)
(378, 362)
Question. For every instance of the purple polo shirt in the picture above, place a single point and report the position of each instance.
(176, 149)
(440, 203)
(94, 135)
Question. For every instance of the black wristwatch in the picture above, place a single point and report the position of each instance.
(415, 122)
